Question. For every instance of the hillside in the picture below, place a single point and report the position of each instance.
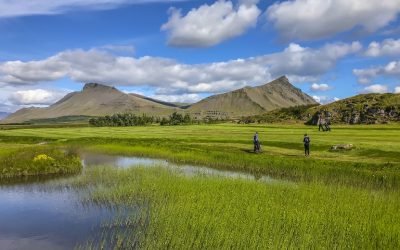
(100, 100)
(360, 109)
(252, 100)
(93, 100)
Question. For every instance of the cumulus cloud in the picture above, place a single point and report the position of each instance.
(388, 47)
(323, 99)
(376, 88)
(320, 87)
(313, 19)
(397, 90)
(170, 77)
(185, 98)
(35, 97)
(50, 7)
(308, 63)
(365, 76)
(209, 25)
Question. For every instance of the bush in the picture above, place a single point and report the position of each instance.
(121, 120)
(176, 119)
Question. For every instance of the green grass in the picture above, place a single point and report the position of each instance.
(338, 200)
(25, 160)
(211, 213)
(375, 161)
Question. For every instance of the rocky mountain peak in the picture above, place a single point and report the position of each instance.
(97, 86)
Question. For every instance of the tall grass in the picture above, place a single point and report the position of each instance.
(329, 171)
(212, 213)
(374, 162)
(39, 160)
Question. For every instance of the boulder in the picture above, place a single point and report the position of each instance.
(342, 147)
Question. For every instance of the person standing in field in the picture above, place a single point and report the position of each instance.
(306, 141)
(256, 143)
(321, 123)
(327, 121)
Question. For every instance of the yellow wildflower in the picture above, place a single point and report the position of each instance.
(43, 157)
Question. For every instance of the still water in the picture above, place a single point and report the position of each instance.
(41, 214)
(183, 169)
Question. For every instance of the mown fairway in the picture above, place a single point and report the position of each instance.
(341, 200)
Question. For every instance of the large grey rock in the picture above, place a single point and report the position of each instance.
(342, 147)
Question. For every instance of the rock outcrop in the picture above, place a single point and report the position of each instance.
(361, 109)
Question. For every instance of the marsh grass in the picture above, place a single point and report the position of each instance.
(38, 160)
(340, 200)
(329, 171)
(375, 161)
(217, 213)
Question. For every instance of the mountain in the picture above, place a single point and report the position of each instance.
(253, 100)
(99, 100)
(170, 104)
(3, 115)
(94, 100)
(360, 109)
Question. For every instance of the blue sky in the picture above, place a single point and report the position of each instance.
(187, 50)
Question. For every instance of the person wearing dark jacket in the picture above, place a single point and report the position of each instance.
(306, 141)
(256, 143)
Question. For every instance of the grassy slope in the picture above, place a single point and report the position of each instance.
(359, 104)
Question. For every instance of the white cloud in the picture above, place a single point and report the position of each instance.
(185, 98)
(50, 7)
(323, 99)
(170, 77)
(35, 97)
(320, 87)
(397, 90)
(376, 88)
(209, 25)
(316, 19)
(365, 76)
(300, 61)
(388, 47)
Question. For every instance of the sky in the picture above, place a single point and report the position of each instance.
(183, 51)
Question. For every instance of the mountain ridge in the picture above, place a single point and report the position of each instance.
(254, 100)
(98, 100)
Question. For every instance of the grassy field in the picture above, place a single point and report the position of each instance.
(374, 161)
(341, 200)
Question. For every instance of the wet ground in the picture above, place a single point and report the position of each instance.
(40, 214)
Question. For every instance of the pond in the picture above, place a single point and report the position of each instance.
(40, 216)
(45, 215)
(90, 159)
